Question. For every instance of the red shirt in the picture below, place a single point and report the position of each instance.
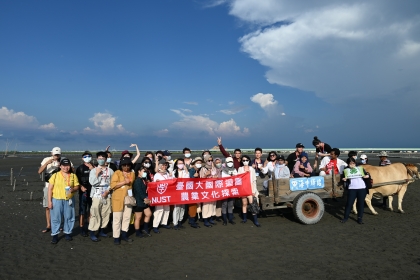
(332, 164)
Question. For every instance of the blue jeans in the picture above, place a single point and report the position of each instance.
(62, 208)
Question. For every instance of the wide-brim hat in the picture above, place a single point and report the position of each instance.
(125, 161)
(382, 154)
(196, 159)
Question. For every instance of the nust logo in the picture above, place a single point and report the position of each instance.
(161, 188)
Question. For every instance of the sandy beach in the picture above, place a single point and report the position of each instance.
(385, 247)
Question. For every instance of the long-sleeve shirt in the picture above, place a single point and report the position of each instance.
(100, 182)
(236, 162)
(119, 194)
(300, 172)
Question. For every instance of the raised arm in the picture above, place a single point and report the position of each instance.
(221, 148)
(138, 153)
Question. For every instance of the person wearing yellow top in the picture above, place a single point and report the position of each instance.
(121, 185)
(62, 186)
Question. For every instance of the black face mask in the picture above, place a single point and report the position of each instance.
(159, 158)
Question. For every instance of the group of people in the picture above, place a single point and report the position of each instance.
(118, 190)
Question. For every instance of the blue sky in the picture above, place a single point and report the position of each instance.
(169, 74)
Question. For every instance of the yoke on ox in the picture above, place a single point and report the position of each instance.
(388, 181)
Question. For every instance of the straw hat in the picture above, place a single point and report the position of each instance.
(382, 154)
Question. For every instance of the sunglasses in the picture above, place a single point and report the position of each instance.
(87, 156)
(210, 160)
(272, 155)
(245, 161)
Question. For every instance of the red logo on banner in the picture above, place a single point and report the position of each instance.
(196, 190)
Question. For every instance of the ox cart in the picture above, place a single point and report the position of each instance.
(304, 195)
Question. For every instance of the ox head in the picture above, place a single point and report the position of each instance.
(412, 170)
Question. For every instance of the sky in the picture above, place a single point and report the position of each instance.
(169, 74)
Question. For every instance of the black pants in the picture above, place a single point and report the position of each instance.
(352, 194)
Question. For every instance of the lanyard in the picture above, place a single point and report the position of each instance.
(67, 182)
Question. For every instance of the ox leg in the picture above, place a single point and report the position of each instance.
(368, 201)
(390, 200)
(400, 198)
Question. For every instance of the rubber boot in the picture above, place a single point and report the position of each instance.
(244, 218)
(68, 237)
(180, 224)
(102, 233)
(218, 219)
(117, 241)
(93, 237)
(124, 236)
(84, 231)
(54, 239)
(211, 221)
(230, 216)
(206, 222)
(146, 230)
(224, 219)
(256, 223)
(193, 223)
(138, 233)
(360, 221)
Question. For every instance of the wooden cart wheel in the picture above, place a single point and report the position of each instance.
(308, 208)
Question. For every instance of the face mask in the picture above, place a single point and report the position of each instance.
(218, 165)
(87, 159)
(180, 166)
(187, 155)
(363, 161)
(168, 158)
(101, 161)
(245, 163)
(108, 160)
(198, 165)
(229, 164)
(159, 158)
(147, 165)
(355, 157)
(144, 175)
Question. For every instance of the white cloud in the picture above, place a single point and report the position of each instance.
(203, 124)
(10, 118)
(339, 50)
(163, 132)
(233, 111)
(49, 126)
(19, 120)
(191, 103)
(186, 110)
(231, 102)
(267, 103)
(104, 123)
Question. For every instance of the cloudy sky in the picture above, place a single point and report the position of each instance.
(166, 74)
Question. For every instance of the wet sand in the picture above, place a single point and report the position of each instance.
(387, 246)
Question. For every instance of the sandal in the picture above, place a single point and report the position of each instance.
(45, 230)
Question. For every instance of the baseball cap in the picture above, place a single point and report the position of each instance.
(280, 157)
(56, 151)
(65, 161)
(363, 156)
(299, 145)
(87, 153)
(229, 159)
(166, 153)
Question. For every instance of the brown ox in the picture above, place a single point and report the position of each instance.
(390, 173)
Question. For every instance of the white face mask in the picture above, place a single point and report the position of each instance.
(168, 158)
(147, 165)
(187, 155)
(144, 175)
(355, 157)
(108, 160)
(218, 165)
(363, 161)
(245, 163)
(87, 159)
(229, 164)
(198, 165)
(180, 166)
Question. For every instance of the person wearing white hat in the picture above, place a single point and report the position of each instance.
(384, 161)
(364, 159)
(49, 166)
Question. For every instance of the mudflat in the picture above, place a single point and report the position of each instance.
(387, 246)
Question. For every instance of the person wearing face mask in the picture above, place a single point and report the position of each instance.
(192, 208)
(363, 160)
(161, 213)
(147, 163)
(209, 208)
(109, 162)
(181, 171)
(218, 168)
(85, 201)
(121, 185)
(142, 202)
(227, 204)
(170, 163)
(100, 179)
(187, 157)
(237, 153)
(352, 154)
(252, 199)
